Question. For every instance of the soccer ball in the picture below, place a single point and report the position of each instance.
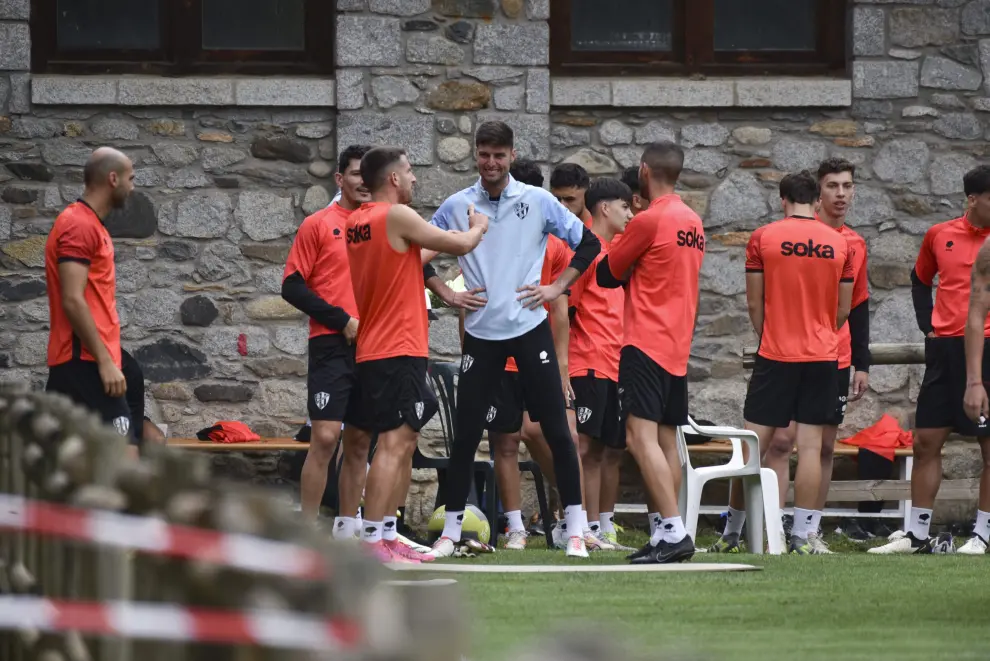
(475, 525)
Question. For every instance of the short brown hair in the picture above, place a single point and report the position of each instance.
(375, 165)
(665, 159)
(800, 188)
(494, 134)
(835, 165)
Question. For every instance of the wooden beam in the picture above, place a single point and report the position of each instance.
(883, 354)
(881, 490)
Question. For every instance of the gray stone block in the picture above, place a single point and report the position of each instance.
(885, 80)
(902, 161)
(706, 135)
(412, 131)
(350, 89)
(364, 41)
(154, 91)
(390, 91)
(912, 27)
(15, 10)
(509, 98)
(791, 155)
(265, 216)
(959, 126)
(538, 91)
(20, 93)
(434, 185)
(975, 17)
(399, 7)
(201, 216)
(537, 10)
(943, 73)
(114, 129)
(947, 171)
(15, 47)
(672, 93)
(569, 92)
(501, 43)
(424, 48)
(73, 90)
(614, 132)
(869, 30)
(284, 92)
(738, 200)
(794, 92)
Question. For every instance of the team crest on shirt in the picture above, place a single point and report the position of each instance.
(419, 410)
(522, 210)
(122, 424)
(466, 362)
(321, 399)
(583, 414)
(492, 412)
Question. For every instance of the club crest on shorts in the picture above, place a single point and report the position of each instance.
(466, 362)
(321, 399)
(522, 210)
(122, 424)
(543, 357)
(420, 407)
(492, 412)
(583, 414)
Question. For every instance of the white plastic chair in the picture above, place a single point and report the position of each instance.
(761, 489)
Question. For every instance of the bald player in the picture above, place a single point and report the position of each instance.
(84, 354)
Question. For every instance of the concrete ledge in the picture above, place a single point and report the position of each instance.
(160, 91)
(712, 93)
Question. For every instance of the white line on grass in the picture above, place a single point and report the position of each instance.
(563, 569)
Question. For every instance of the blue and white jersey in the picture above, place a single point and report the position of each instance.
(511, 253)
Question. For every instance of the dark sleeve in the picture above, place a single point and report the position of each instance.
(428, 272)
(859, 333)
(604, 277)
(296, 293)
(586, 251)
(921, 296)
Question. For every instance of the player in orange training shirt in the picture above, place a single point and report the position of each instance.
(799, 281)
(84, 354)
(660, 256)
(393, 397)
(953, 393)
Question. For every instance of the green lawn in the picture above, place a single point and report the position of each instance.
(844, 607)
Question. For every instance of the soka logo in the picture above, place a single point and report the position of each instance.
(691, 239)
(809, 249)
(359, 233)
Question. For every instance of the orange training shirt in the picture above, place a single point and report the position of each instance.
(319, 255)
(948, 251)
(596, 329)
(861, 290)
(666, 244)
(388, 289)
(802, 262)
(79, 235)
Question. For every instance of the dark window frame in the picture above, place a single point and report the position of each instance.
(181, 51)
(693, 48)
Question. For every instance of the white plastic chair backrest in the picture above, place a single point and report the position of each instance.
(735, 437)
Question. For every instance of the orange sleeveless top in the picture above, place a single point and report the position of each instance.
(388, 287)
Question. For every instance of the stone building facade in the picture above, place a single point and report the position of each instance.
(227, 168)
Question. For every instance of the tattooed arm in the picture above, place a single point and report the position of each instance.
(975, 402)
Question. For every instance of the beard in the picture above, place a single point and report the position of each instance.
(118, 200)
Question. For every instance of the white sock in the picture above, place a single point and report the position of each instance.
(515, 521)
(921, 522)
(573, 521)
(606, 519)
(982, 527)
(358, 521)
(344, 527)
(584, 521)
(672, 529)
(816, 521)
(734, 522)
(390, 532)
(452, 525)
(654, 521)
(802, 523)
(372, 532)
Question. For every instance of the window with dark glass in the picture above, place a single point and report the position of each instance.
(697, 36)
(179, 36)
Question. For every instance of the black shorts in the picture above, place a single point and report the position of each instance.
(650, 392)
(597, 409)
(841, 396)
(391, 392)
(780, 392)
(330, 379)
(505, 415)
(80, 381)
(940, 400)
(134, 377)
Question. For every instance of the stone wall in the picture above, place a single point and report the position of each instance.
(228, 167)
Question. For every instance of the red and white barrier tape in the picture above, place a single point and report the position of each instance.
(148, 621)
(158, 537)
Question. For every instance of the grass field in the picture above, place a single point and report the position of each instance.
(850, 606)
